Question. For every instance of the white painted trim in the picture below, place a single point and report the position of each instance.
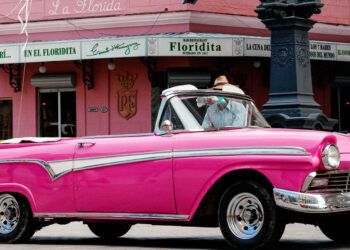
(98, 23)
(182, 17)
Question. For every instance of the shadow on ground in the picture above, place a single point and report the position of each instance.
(182, 243)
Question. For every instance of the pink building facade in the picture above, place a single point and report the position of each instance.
(103, 63)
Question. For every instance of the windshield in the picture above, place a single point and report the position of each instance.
(211, 112)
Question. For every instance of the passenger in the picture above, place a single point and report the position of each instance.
(224, 112)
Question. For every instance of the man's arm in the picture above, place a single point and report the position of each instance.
(206, 121)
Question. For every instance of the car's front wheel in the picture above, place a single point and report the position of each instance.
(16, 219)
(109, 231)
(248, 216)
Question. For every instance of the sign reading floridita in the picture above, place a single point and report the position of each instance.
(194, 46)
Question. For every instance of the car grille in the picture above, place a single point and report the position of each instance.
(338, 182)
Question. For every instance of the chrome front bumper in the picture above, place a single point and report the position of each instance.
(312, 203)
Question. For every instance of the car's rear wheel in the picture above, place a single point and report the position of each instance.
(248, 216)
(336, 229)
(109, 231)
(16, 219)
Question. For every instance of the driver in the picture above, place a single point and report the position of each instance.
(224, 113)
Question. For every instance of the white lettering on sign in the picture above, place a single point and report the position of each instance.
(64, 7)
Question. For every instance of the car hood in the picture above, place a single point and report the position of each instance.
(310, 140)
(343, 142)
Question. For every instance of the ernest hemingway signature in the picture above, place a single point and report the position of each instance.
(119, 46)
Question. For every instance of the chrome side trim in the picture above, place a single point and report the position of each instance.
(96, 162)
(308, 181)
(56, 169)
(312, 203)
(117, 136)
(241, 151)
(113, 216)
(46, 165)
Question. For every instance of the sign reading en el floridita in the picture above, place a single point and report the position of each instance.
(127, 96)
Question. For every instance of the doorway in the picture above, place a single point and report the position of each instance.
(341, 107)
(57, 112)
(5, 119)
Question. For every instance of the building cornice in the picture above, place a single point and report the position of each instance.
(160, 20)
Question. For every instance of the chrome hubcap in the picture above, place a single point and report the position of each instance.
(9, 213)
(245, 216)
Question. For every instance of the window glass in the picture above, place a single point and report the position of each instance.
(208, 112)
(57, 113)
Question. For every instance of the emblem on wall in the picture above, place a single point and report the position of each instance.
(127, 96)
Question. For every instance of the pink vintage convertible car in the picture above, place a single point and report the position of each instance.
(197, 169)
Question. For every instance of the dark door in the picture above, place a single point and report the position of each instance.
(341, 107)
(57, 113)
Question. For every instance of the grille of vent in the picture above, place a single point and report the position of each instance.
(338, 182)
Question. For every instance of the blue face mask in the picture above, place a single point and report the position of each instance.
(222, 100)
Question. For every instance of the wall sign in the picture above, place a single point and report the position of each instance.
(257, 47)
(114, 48)
(158, 46)
(323, 51)
(92, 109)
(9, 54)
(127, 96)
(74, 7)
(343, 52)
(194, 46)
(39, 52)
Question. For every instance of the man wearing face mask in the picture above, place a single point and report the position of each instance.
(224, 112)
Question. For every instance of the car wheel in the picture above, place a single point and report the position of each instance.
(336, 229)
(16, 219)
(109, 231)
(248, 216)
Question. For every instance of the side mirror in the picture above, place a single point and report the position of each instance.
(167, 127)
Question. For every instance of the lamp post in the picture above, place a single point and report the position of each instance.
(291, 103)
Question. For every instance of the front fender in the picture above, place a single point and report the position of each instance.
(20, 189)
(281, 172)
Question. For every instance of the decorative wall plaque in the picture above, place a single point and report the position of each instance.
(127, 96)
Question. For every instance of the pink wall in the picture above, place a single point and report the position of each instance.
(334, 11)
(104, 94)
(141, 122)
(24, 115)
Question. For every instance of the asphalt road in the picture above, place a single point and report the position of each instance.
(77, 236)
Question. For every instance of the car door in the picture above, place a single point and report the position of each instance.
(126, 174)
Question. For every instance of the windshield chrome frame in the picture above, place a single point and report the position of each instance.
(168, 94)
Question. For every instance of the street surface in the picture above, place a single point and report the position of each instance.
(77, 236)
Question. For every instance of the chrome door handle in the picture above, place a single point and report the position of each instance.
(81, 144)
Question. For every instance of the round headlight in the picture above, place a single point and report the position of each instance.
(331, 156)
